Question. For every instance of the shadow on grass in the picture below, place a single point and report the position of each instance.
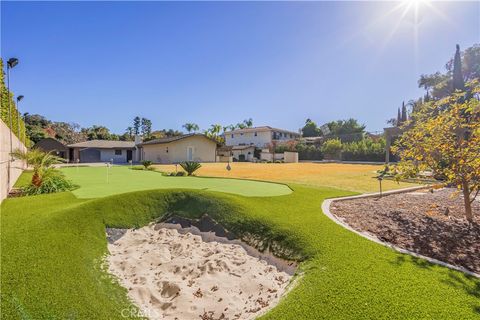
(453, 278)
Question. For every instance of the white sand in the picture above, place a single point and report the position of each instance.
(171, 275)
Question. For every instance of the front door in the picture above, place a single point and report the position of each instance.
(189, 153)
(129, 155)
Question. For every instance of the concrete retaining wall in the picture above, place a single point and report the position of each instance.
(10, 169)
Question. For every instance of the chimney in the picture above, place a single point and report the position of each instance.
(138, 139)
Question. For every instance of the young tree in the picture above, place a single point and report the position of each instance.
(190, 126)
(446, 140)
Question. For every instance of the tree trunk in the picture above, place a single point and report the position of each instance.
(36, 180)
(466, 199)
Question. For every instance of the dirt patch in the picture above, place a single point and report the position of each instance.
(429, 223)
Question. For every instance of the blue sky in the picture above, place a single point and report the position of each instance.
(222, 62)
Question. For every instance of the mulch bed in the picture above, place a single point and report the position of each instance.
(432, 224)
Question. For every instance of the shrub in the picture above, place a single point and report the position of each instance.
(181, 174)
(52, 181)
(364, 150)
(147, 164)
(190, 166)
(332, 148)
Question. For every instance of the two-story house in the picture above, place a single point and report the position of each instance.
(257, 137)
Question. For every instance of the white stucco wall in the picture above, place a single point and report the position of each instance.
(9, 170)
(248, 138)
(261, 140)
(204, 150)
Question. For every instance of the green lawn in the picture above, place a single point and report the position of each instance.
(99, 182)
(52, 247)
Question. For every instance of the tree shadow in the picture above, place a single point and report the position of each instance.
(455, 279)
(455, 243)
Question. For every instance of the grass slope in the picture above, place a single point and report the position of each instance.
(52, 246)
(352, 177)
(93, 182)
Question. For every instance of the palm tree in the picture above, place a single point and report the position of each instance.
(191, 127)
(248, 122)
(230, 127)
(190, 167)
(40, 161)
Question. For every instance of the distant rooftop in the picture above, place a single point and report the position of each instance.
(175, 138)
(260, 129)
(104, 144)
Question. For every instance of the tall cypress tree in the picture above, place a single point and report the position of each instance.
(458, 82)
(399, 118)
(404, 112)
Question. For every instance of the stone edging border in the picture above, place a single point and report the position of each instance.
(326, 210)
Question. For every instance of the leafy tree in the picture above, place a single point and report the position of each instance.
(67, 132)
(346, 130)
(191, 127)
(332, 148)
(99, 132)
(446, 141)
(136, 125)
(146, 126)
(310, 129)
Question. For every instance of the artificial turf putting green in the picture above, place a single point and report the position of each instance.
(99, 182)
(52, 245)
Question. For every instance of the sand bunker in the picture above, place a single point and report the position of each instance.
(170, 275)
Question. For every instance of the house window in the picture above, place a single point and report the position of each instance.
(232, 136)
(118, 152)
(167, 149)
(241, 134)
(255, 134)
(291, 136)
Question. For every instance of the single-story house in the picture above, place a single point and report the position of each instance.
(188, 147)
(52, 146)
(103, 151)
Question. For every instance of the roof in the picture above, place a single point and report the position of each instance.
(49, 144)
(175, 138)
(239, 147)
(104, 144)
(259, 129)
